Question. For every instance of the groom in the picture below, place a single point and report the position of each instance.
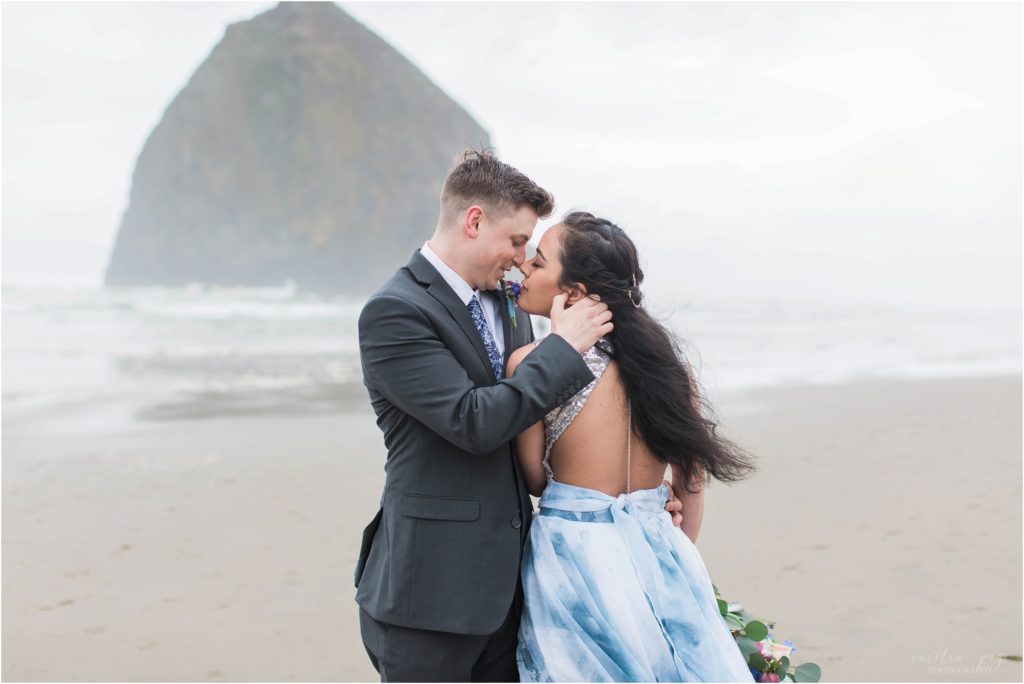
(438, 572)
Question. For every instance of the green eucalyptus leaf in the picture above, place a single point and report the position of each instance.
(746, 646)
(756, 630)
(757, 661)
(723, 607)
(808, 672)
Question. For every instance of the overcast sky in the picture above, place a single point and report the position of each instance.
(864, 151)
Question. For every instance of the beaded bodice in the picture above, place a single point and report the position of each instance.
(559, 418)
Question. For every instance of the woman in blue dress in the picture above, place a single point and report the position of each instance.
(614, 592)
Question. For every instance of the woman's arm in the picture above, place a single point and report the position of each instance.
(693, 505)
(530, 448)
(530, 442)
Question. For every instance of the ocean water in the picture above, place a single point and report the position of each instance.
(237, 350)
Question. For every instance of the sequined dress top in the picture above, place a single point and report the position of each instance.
(559, 418)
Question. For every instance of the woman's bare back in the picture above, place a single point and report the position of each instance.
(591, 452)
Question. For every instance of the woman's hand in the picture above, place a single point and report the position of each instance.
(674, 505)
(692, 503)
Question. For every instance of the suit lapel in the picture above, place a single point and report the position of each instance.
(439, 289)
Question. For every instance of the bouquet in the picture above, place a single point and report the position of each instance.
(767, 659)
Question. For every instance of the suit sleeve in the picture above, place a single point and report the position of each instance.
(408, 363)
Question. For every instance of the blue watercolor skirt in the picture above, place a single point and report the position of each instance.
(615, 593)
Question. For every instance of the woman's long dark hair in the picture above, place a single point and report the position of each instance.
(661, 388)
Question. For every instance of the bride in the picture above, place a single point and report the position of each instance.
(614, 592)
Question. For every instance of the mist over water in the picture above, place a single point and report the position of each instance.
(161, 353)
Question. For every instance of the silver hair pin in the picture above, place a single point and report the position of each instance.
(629, 293)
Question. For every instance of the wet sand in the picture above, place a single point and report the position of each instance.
(883, 533)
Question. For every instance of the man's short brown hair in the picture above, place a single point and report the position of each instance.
(478, 177)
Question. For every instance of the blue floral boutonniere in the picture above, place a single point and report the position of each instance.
(512, 290)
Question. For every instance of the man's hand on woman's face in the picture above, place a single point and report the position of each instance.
(582, 324)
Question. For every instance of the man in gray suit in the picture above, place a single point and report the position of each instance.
(438, 572)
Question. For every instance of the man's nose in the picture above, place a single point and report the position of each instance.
(524, 269)
(519, 258)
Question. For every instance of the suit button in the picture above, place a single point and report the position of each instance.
(516, 522)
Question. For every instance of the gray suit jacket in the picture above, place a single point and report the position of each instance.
(443, 552)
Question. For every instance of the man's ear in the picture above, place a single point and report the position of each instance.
(471, 221)
(578, 292)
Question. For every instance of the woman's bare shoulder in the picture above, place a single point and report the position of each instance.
(517, 356)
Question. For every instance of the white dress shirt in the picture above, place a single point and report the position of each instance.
(488, 302)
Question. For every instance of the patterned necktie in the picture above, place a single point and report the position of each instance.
(477, 312)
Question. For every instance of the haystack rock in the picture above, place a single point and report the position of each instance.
(304, 149)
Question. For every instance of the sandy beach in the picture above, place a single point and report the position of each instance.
(883, 533)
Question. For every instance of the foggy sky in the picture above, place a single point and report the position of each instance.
(868, 152)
